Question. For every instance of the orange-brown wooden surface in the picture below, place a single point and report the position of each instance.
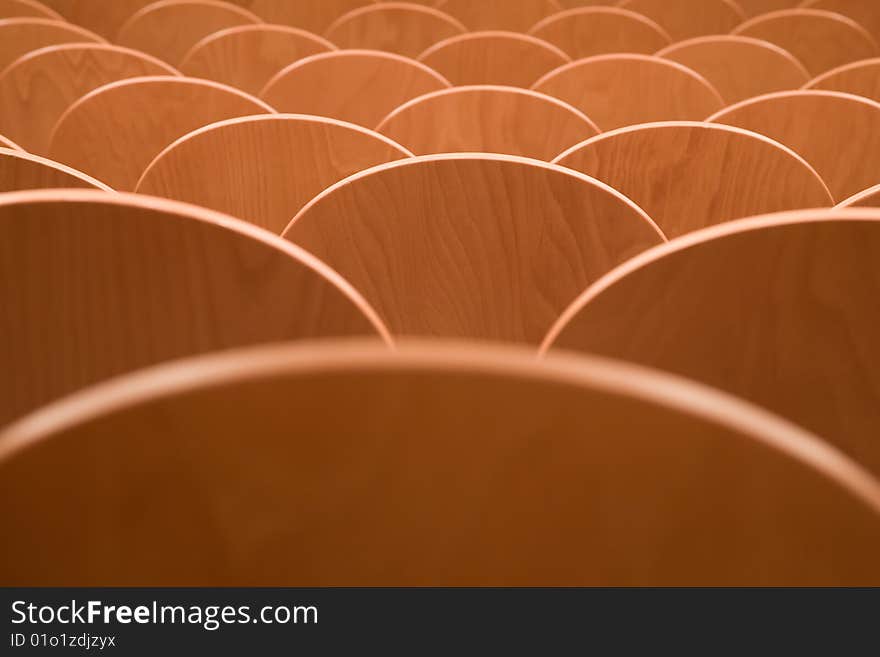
(619, 90)
(21, 171)
(755, 7)
(506, 58)
(5, 142)
(97, 284)
(820, 40)
(781, 310)
(37, 89)
(688, 176)
(169, 28)
(587, 31)
(739, 67)
(248, 56)
(685, 19)
(839, 134)
(26, 8)
(18, 36)
(450, 464)
(115, 131)
(868, 198)
(400, 27)
(489, 119)
(865, 12)
(104, 18)
(264, 169)
(359, 86)
(314, 15)
(480, 246)
(860, 78)
(514, 15)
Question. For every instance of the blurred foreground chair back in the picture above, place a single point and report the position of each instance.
(505, 58)
(685, 19)
(479, 245)
(404, 28)
(689, 175)
(838, 134)
(37, 89)
(489, 119)
(358, 86)
(739, 67)
(96, 284)
(18, 36)
(21, 171)
(115, 131)
(451, 464)
(248, 56)
(264, 169)
(620, 90)
(781, 310)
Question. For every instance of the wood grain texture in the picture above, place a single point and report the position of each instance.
(739, 67)
(36, 89)
(781, 310)
(315, 447)
(96, 284)
(358, 86)
(26, 9)
(588, 31)
(839, 134)
(868, 198)
(487, 119)
(859, 78)
(689, 176)
(18, 36)
(505, 58)
(104, 18)
(471, 245)
(755, 7)
(8, 143)
(685, 19)
(512, 15)
(248, 56)
(109, 134)
(865, 12)
(264, 169)
(399, 27)
(820, 40)
(169, 28)
(315, 16)
(21, 171)
(619, 90)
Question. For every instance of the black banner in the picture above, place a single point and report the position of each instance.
(456, 621)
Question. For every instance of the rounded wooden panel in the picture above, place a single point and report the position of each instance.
(447, 464)
(37, 89)
(104, 18)
(859, 78)
(864, 12)
(264, 169)
(21, 171)
(8, 143)
(315, 16)
(588, 31)
(781, 310)
(18, 36)
(619, 90)
(688, 176)
(26, 9)
(488, 119)
(739, 67)
(358, 86)
(685, 19)
(869, 198)
(169, 28)
(115, 131)
(471, 245)
(96, 284)
(400, 27)
(756, 7)
(249, 56)
(820, 40)
(505, 58)
(839, 134)
(513, 15)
